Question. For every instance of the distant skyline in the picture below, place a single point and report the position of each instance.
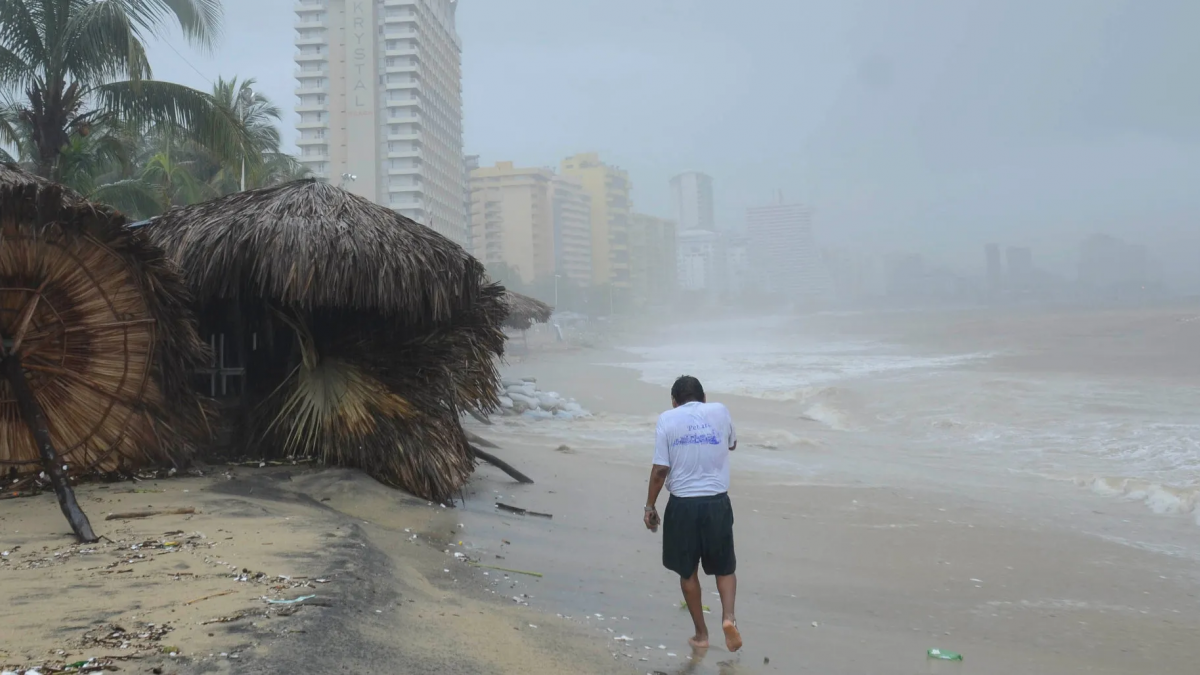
(932, 125)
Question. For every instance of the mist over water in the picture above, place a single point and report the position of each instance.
(923, 411)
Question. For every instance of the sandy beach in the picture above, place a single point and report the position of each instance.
(858, 550)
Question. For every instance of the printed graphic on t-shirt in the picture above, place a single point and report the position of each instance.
(697, 434)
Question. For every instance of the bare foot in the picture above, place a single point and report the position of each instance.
(698, 641)
(733, 639)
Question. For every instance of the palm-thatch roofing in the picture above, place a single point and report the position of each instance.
(397, 329)
(524, 311)
(309, 245)
(104, 331)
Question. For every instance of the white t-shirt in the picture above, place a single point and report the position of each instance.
(694, 440)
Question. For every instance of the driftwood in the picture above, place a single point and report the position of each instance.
(501, 464)
(506, 569)
(35, 419)
(208, 597)
(130, 515)
(522, 512)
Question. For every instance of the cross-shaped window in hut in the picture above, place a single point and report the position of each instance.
(224, 366)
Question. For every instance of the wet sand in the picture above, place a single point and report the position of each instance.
(841, 575)
(843, 578)
(373, 559)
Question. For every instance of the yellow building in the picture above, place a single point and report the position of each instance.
(572, 230)
(512, 219)
(652, 261)
(609, 189)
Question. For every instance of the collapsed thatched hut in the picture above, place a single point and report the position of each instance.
(341, 330)
(524, 311)
(99, 344)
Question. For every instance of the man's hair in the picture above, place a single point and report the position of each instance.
(687, 389)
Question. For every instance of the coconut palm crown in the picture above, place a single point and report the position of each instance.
(67, 66)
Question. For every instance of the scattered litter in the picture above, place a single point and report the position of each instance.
(944, 655)
(289, 602)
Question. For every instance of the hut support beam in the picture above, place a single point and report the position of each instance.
(501, 464)
(35, 419)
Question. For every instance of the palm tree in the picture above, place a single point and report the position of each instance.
(70, 66)
(256, 115)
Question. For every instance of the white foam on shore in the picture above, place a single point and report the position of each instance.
(954, 409)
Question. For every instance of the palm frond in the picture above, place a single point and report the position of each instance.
(21, 45)
(151, 102)
(200, 20)
(132, 196)
(100, 43)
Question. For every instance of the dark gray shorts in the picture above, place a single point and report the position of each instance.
(699, 530)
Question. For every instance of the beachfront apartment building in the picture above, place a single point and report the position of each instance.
(652, 260)
(784, 256)
(609, 189)
(536, 222)
(572, 208)
(380, 104)
(692, 194)
(512, 219)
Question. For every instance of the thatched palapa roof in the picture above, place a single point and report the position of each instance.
(107, 338)
(398, 328)
(310, 245)
(524, 311)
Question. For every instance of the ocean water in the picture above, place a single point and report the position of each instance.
(908, 412)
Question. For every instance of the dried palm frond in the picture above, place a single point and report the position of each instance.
(104, 332)
(524, 311)
(351, 412)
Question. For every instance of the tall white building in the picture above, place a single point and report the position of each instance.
(696, 261)
(784, 256)
(380, 104)
(692, 193)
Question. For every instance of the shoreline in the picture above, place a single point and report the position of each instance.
(841, 572)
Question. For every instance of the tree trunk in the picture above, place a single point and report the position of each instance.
(35, 419)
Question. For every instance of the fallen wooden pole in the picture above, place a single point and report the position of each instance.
(481, 441)
(35, 419)
(130, 515)
(522, 512)
(502, 465)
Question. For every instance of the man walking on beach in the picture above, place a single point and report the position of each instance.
(691, 457)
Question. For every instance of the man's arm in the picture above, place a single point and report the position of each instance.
(658, 477)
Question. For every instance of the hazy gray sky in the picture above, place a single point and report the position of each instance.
(909, 125)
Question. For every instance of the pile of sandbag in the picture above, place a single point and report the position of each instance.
(522, 397)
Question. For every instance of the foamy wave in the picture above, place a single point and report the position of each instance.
(1159, 498)
(779, 439)
(830, 416)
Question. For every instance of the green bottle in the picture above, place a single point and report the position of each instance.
(944, 655)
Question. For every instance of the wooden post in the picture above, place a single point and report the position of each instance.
(35, 419)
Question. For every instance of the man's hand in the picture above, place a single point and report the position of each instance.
(652, 520)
